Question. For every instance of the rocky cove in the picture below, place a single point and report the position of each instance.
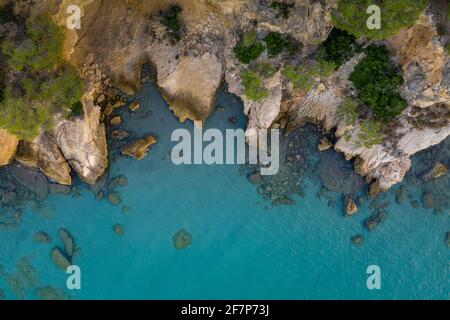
(191, 74)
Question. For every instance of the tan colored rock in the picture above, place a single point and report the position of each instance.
(43, 153)
(116, 121)
(350, 207)
(134, 106)
(439, 170)
(8, 147)
(325, 144)
(140, 148)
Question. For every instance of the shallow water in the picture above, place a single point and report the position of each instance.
(242, 247)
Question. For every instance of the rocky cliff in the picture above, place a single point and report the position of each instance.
(118, 36)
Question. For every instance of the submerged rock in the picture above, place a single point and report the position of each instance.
(438, 171)
(428, 200)
(350, 207)
(182, 239)
(126, 210)
(2, 294)
(140, 148)
(447, 239)
(68, 242)
(50, 293)
(401, 196)
(120, 134)
(42, 237)
(375, 220)
(114, 198)
(358, 239)
(118, 229)
(116, 121)
(59, 259)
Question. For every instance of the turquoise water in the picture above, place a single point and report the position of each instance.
(242, 248)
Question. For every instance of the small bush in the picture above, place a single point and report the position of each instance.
(253, 84)
(264, 69)
(77, 109)
(249, 48)
(339, 47)
(171, 19)
(303, 76)
(370, 133)
(283, 8)
(351, 15)
(349, 111)
(378, 84)
(276, 43)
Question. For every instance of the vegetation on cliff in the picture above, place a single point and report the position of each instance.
(351, 15)
(249, 48)
(253, 85)
(283, 9)
(303, 76)
(40, 85)
(276, 43)
(378, 83)
(339, 47)
(171, 19)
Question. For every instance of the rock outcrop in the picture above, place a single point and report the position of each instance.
(8, 147)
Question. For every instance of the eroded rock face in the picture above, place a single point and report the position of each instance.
(43, 153)
(83, 144)
(8, 147)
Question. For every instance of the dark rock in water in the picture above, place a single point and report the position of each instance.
(401, 195)
(120, 134)
(27, 273)
(119, 229)
(412, 180)
(283, 201)
(232, 120)
(30, 179)
(42, 237)
(220, 109)
(255, 178)
(100, 196)
(447, 239)
(76, 255)
(16, 286)
(415, 204)
(2, 294)
(9, 197)
(182, 239)
(59, 259)
(126, 210)
(428, 200)
(55, 188)
(68, 242)
(358, 239)
(50, 293)
(375, 220)
(114, 198)
(123, 181)
(338, 175)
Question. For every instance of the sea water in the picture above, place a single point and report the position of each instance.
(242, 247)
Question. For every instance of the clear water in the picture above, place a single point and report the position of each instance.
(242, 247)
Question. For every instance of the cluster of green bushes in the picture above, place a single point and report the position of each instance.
(351, 15)
(303, 76)
(43, 84)
(171, 19)
(282, 8)
(253, 77)
(250, 48)
(339, 47)
(349, 111)
(370, 133)
(378, 83)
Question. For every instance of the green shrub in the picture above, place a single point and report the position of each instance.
(349, 111)
(2, 87)
(43, 48)
(351, 15)
(253, 84)
(171, 20)
(283, 8)
(302, 76)
(22, 117)
(339, 47)
(77, 109)
(276, 43)
(44, 87)
(370, 133)
(378, 84)
(264, 69)
(249, 48)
